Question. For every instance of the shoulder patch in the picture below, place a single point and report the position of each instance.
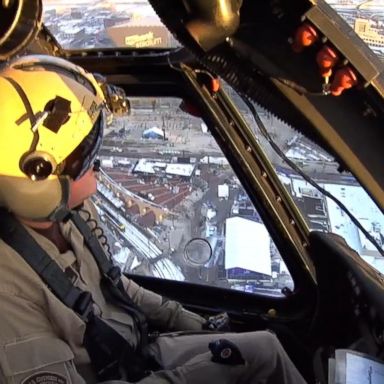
(45, 378)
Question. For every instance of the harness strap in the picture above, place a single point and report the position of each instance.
(111, 354)
(112, 286)
(17, 237)
(118, 360)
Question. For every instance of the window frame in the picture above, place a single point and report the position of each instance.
(151, 75)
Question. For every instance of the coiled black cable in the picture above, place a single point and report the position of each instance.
(96, 230)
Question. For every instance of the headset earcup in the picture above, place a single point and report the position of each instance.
(35, 200)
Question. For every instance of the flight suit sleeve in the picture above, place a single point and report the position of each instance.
(30, 352)
(167, 314)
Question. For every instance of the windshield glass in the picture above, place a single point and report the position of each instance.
(366, 18)
(85, 24)
(320, 212)
(173, 208)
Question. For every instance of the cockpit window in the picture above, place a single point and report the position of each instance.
(320, 212)
(366, 18)
(86, 24)
(173, 208)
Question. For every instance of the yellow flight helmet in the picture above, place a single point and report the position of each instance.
(51, 125)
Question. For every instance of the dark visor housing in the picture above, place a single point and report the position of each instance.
(84, 155)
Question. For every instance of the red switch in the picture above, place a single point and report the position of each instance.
(345, 78)
(305, 36)
(215, 85)
(326, 59)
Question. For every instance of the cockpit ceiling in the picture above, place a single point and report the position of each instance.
(86, 24)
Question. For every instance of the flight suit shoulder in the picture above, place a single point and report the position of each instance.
(30, 349)
(17, 277)
(38, 359)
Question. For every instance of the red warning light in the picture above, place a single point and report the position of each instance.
(345, 78)
(326, 59)
(305, 36)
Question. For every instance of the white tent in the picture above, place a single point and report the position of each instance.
(180, 169)
(153, 133)
(106, 163)
(223, 191)
(247, 246)
(148, 166)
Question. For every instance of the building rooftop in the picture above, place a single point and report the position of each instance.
(247, 246)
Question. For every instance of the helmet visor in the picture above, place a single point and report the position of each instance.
(84, 155)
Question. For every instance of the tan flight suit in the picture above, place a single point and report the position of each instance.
(41, 339)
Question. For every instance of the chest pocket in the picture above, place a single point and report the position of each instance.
(46, 360)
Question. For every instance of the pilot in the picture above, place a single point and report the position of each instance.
(67, 314)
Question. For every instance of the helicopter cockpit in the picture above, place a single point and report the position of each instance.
(241, 167)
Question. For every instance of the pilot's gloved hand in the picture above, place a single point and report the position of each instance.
(219, 323)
